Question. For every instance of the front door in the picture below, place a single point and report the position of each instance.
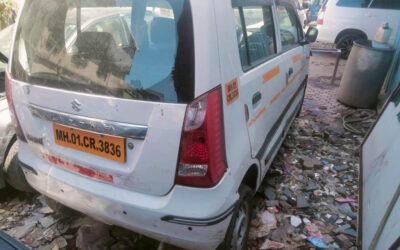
(294, 54)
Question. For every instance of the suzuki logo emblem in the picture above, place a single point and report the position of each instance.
(76, 105)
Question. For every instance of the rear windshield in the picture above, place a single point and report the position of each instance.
(134, 49)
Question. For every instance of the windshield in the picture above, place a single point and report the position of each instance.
(135, 49)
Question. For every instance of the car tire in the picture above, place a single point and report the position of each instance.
(14, 175)
(238, 230)
(345, 43)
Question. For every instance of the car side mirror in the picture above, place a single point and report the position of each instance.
(312, 34)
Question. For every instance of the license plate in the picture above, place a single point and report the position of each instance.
(110, 147)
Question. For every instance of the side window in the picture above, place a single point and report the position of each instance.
(255, 34)
(289, 28)
(354, 3)
(386, 4)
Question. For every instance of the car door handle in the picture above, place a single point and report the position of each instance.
(290, 72)
(256, 98)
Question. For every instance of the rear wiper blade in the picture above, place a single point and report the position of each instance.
(3, 58)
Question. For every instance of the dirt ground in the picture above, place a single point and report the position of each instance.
(308, 198)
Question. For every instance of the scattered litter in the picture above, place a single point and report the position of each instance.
(341, 228)
(313, 230)
(272, 210)
(341, 168)
(269, 244)
(350, 232)
(302, 202)
(48, 221)
(269, 220)
(318, 242)
(344, 241)
(345, 200)
(327, 239)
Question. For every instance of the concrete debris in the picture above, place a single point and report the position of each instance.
(268, 219)
(270, 193)
(295, 221)
(48, 221)
(20, 231)
(89, 234)
(344, 241)
(269, 244)
(46, 210)
(302, 202)
(327, 239)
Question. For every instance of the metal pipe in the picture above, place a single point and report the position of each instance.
(336, 52)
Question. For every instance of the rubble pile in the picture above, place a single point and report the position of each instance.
(309, 198)
(29, 219)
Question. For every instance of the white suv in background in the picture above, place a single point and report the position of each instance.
(164, 121)
(343, 21)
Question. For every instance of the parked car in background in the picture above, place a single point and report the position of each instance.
(302, 8)
(170, 134)
(343, 21)
(314, 8)
(11, 172)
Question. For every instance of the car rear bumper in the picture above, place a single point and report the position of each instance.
(182, 217)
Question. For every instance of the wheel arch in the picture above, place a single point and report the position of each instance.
(251, 177)
(350, 31)
(10, 143)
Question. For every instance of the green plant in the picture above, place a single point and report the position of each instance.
(7, 14)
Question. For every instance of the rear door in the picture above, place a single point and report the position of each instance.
(101, 102)
(260, 83)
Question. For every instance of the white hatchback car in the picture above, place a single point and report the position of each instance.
(341, 22)
(163, 121)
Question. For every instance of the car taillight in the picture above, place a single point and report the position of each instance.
(202, 158)
(321, 16)
(11, 107)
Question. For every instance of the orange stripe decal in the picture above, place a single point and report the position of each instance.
(283, 89)
(231, 91)
(258, 116)
(296, 58)
(271, 74)
(275, 98)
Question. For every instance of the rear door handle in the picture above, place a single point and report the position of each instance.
(256, 98)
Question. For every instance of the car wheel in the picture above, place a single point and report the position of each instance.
(345, 43)
(13, 172)
(237, 234)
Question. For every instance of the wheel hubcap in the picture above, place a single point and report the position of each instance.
(240, 229)
(346, 46)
